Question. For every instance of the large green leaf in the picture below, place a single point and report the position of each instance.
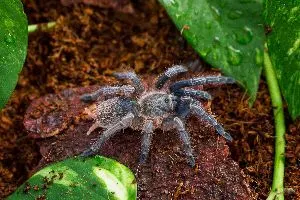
(283, 19)
(228, 34)
(13, 45)
(94, 178)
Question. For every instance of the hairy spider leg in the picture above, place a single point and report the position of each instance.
(169, 73)
(124, 123)
(127, 90)
(193, 93)
(146, 140)
(200, 81)
(200, 112)
(185, 138)
(137, 83)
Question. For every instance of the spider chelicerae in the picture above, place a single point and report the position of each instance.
(146, 110)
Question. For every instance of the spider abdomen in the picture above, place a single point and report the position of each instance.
(111, 111)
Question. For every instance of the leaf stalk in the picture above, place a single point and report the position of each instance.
(44, 27)
(277, 191)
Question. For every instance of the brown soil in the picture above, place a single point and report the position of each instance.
(88, 44)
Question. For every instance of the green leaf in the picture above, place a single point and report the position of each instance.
(283, 18)
(92, 178)
(13, 46)
(228, 34)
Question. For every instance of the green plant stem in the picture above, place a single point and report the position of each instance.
(44, 27)
(277, 191)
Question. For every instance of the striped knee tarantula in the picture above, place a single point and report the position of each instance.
(131, 106)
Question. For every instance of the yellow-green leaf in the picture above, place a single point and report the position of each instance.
(97, 178)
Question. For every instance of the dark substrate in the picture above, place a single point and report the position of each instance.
(88, 44)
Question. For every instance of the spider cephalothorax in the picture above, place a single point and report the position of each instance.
(131, 106)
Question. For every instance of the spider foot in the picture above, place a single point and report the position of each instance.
(185, 138)
(191, 161)
(200, 112)
(87, 153)
(143, 158)
(87, 98)
(227, 136)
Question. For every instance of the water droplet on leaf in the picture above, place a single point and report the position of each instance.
(208, 25)
(259, 57)
(216, 12)
(217, 40)
(214, 55)
(8, 23)
(235, 14)
(204, 52)
(170, 2)
(9, 38)
(245, 36)
(234, 56)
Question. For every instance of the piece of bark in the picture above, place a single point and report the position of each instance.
(166, 174)
(123, 6)
(53, 113)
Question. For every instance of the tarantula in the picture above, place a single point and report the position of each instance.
(131, 106)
